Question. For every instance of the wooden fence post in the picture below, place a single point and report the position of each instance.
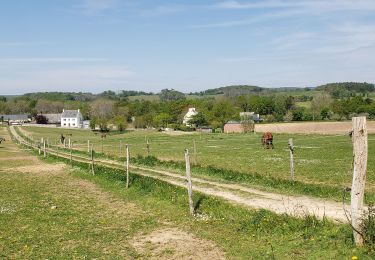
(88, 146)
(69, 143)
(120, 148)
(39, 144)
(189, 185)
(291, 152)
(44, 149)
(102, 145)
(195, 152)
(360, 153)
(148, 147)
(70, 154)
(92, 160)
(127, 166)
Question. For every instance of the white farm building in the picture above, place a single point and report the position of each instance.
(192, 112)
(71, 119)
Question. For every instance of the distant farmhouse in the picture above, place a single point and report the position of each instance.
(71, 119)
(189, 115)
(15, 119)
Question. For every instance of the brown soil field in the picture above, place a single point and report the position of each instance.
(325, 128)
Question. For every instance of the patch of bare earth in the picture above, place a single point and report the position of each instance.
(50, 169)
(172, 243)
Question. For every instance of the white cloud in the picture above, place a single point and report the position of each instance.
(163, 10)
(93, 7)
(312, 5)
(249, 20)
(49, 60)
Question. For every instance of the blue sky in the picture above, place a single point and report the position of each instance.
(96, 45)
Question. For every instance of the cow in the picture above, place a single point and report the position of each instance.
(267, 140)
(2, 139)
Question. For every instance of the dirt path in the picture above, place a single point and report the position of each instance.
(298, 206)
(75, 206)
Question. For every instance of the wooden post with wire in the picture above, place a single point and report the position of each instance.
(88, 146)
(44, 149)
(195, 152)
(189, 184)
(148, 147)
(70, 153)
(92, 160)
(360, 154)
(291, 152)
(127, 166)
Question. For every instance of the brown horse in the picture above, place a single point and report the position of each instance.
(267, 140)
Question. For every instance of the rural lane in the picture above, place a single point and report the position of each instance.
(298, 206)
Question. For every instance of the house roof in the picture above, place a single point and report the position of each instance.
(70, 113)
(53, 118)
(14, 117)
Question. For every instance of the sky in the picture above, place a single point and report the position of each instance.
(97, 45)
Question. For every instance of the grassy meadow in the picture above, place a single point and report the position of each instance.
(319, 160)
(49, 210)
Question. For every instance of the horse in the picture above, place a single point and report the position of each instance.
(267, 140)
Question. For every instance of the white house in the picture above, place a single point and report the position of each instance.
(71, 118)
(192, 112)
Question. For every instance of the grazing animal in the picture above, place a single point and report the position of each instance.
(267, 140)
(62, 138)
(104, 136)
(2, 140)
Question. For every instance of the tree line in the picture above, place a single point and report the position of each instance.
(110, 108)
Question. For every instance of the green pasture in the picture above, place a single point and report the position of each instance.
(71, 214)
(319, 159)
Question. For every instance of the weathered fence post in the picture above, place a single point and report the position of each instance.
(44, 149)
(189, 185)
(88, 146)
(120, 148)
(148, 147)
(92, 160)
(69, 143)
(127, 166)
(39, 144)
(70, 153)
(195, 152)
(102, 144)
(360, 153)
(291, 152)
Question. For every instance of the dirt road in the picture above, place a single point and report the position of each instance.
(298, 206)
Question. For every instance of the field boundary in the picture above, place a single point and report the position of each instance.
(298, 206)
(324, 128)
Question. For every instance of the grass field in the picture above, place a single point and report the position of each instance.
(49, 210)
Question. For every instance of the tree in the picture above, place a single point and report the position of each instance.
(102, 111)
(41, 119)
(120, 122)
(320, 101)
(170, 95)
(198, 120)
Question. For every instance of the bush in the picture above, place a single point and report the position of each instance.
(41, 119)
(368, 227)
